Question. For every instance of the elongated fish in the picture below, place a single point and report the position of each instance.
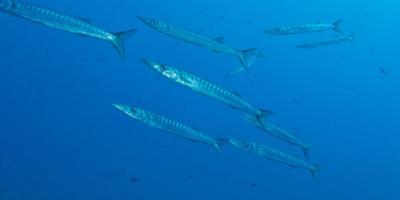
(322, 43)
(210, 89)
(64, 22)
(273, 154)
(247, 57)
(169, 125)
(304, 28)
(281, 134)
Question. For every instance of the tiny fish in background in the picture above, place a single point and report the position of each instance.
(134, 179)
(339, 40)
(304, 28)
(384, 71)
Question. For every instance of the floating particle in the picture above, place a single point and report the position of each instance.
(190, 176)
(134, 179)
(384, 71)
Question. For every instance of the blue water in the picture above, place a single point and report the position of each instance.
(60, 137)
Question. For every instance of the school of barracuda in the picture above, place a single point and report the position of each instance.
(255, 116)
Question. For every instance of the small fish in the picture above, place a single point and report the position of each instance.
(64, 22)
(304, 28)
(384, 71)
(276, 155)
(134, 179)
(190, 176)
(339, 40)
(169, 125)
(247, 57)
(210, 89)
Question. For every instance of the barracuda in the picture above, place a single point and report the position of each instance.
(209, 89)
(282, 134)
(304, 28)
(64, 22)
(169, 125)
(339, 40)
(276, 155)
(247, 57)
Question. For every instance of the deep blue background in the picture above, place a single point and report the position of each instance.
(60, 138)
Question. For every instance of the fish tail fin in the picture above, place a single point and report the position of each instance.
(219, 143)
(337, 26)
(306, 150)
(249, 56)
(315, 170)
(352, 36)
(120, 38)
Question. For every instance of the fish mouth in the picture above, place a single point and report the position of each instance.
(149, 62)
(121, 107)
(143, 19)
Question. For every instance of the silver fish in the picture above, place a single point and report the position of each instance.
(247, 57)
(210, 89)
(273, 154)
(322, 43)
(169, 125)
(64, 22)
(304, 28)
(281, 134)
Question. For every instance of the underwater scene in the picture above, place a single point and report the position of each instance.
(199, 100)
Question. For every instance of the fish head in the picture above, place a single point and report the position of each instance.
(154, 23)
(6, 4)
(165, 70)
(133, 112)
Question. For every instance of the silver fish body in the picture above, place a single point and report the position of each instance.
(169, 125)
(286, 136)
(247, 57)
(209, 89)
(273, 154)
(322, 43)
(64, 22)
(304, 28)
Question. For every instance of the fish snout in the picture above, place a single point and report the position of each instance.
(143, 19)
(148, 62)
(148, 21)
(121, 107)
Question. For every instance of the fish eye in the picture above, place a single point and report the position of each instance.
(163, 67)
(154, 21)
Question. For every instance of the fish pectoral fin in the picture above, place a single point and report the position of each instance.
(85, 20)
(82, 35)
(219, 39)
(237, 94)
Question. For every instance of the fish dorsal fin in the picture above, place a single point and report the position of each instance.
(219, 39)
